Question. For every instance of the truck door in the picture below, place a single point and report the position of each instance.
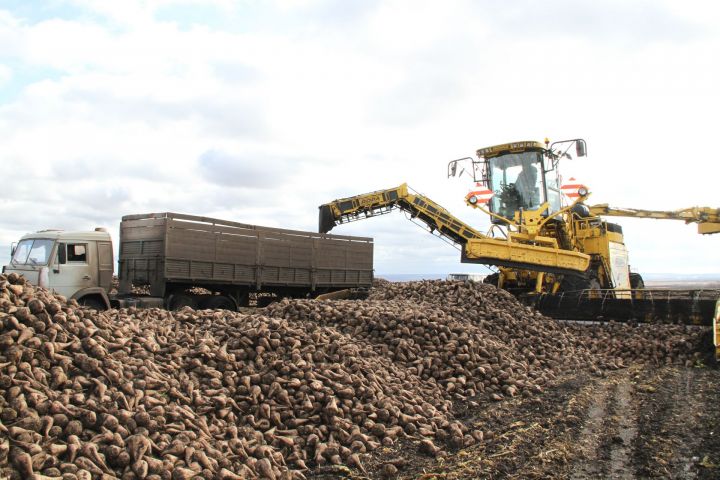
(73, 268)
(105, 265)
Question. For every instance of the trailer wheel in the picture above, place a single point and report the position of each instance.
(176, 302)
(265, 301)
(219, 302)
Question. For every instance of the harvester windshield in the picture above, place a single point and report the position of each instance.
(517, 182)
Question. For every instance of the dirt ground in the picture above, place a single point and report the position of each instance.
(639, 422)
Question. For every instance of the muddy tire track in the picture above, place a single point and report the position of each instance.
(625, 431)
(606, 440)
(590, 439)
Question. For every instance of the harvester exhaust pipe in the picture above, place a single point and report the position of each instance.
(326, 221)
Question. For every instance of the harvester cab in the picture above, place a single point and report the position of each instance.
(518, 182)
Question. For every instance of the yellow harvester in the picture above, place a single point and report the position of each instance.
(548, 245)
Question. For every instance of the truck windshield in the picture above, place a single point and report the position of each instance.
(516, 181)
(32, 252)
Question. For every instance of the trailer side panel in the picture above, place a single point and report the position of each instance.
(167, 248)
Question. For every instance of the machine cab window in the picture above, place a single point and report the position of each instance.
(516, 180)
(520, 181)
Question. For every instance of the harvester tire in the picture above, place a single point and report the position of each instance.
(636, 281)
(578, 282)
(492, 279)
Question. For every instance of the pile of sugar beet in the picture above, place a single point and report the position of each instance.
(152, 394)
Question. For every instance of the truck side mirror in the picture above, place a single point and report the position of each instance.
(13, 246)
(62, 254)
(580, 148)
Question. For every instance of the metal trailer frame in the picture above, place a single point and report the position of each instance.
(172, 252)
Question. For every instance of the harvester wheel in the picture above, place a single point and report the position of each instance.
(578, 282)
(636, 281)
(492, 279)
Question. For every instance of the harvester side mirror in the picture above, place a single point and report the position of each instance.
(580, 148)
(13, 246)
(453, 165)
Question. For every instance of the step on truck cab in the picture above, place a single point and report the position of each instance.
(77, 265)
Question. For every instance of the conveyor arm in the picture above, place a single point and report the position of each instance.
(517, 251)
(708, 219)
(384, 201)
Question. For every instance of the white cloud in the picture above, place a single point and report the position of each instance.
(319, 99)
(5, 74)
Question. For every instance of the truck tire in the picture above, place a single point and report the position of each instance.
(176, 302)
(218, 302)
(93, 303)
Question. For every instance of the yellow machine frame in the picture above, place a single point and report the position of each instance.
(541, 251)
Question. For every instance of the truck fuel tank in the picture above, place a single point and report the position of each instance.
(139, 302)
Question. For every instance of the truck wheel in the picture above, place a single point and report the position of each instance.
(177, 302)
(219, 302)
(93, 303)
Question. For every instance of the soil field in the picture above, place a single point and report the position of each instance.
(634, 423)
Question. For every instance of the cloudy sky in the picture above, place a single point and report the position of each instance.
(259, 111)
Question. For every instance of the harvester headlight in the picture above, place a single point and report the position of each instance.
(582, 191)
(473, 199)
